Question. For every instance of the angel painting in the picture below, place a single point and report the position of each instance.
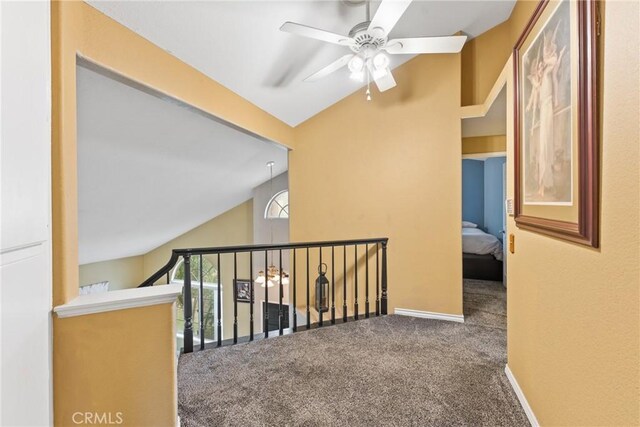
(547, 114)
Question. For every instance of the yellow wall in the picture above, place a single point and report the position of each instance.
(484, 144)
(234, 227)
(79, 29)
(119, 361)
(121, 273)
(484, 56)
(573, 316)
(482, 60)
(390, 167)
(135, 378)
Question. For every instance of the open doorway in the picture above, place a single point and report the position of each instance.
(483, 215)
(156, 174)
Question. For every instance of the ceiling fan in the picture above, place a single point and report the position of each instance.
(369, 44)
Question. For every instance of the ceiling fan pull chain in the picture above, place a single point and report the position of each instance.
(368, 86)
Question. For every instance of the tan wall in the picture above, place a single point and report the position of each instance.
(484, 56)
(121, 273)
(77, 28)
(573, 333)
(234, 227)
(119, 361)
(482, 60)
(142, 385)
(390, 167)
(484, 144)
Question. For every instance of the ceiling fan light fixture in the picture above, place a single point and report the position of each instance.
(356, 64)
(379, 73)
(380, 61)
(377, 33)
(357, 76)
(368, 38)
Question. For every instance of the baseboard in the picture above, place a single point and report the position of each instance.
(521, 397)
(430, 315)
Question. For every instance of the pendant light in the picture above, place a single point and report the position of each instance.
(273, 275)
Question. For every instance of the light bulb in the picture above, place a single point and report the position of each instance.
(356, 64)
(357, 76)
(269, 284)
(260, 279)
(380, 61)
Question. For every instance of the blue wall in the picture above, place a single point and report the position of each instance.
(493, 195)
(473, 191)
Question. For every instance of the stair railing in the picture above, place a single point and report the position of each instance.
(326, 254)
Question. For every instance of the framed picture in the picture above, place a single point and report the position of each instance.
(242, 290)
(556, 121)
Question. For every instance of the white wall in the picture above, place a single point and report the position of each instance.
(263, 230)
(25, 244)
(262, 227)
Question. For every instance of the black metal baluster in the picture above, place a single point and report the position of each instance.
(201, 319)
(186, 306)
(235, 298)
(295, 308)
(366, 280)
(319, 303)
(308, 311)
(344, 283)
(333, 286)
(377, 279)
(251, 283)
(355, 268)
(168, 278)
(266, 295)
(383, 303)
(280, 285)
(219, 302)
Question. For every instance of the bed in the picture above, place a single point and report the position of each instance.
(481, 254)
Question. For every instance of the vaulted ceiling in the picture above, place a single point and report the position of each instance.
(149, 169)
(238, 43)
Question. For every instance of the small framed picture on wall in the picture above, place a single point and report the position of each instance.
(243, 290)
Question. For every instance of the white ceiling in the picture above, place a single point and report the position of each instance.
(492, 123)
(150, 170)
(238, 43)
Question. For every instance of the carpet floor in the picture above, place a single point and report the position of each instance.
(385, 371)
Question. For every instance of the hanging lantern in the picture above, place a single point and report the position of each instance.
(322, 289)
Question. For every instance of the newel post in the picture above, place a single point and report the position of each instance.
(383, 300)
(186, 306)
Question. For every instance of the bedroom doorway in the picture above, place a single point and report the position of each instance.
(483, 219)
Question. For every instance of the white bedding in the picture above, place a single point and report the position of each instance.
(476, 241)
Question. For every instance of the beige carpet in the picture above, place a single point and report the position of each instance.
(485, 303)
(387, 371)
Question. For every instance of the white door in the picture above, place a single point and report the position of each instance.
(25, 256)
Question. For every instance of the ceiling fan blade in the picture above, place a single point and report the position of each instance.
(388, 14)
(383, 78)
(314, 33)
(334, 66)
(417, 45)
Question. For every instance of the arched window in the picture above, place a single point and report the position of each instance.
(209, 271)
(278, 206)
